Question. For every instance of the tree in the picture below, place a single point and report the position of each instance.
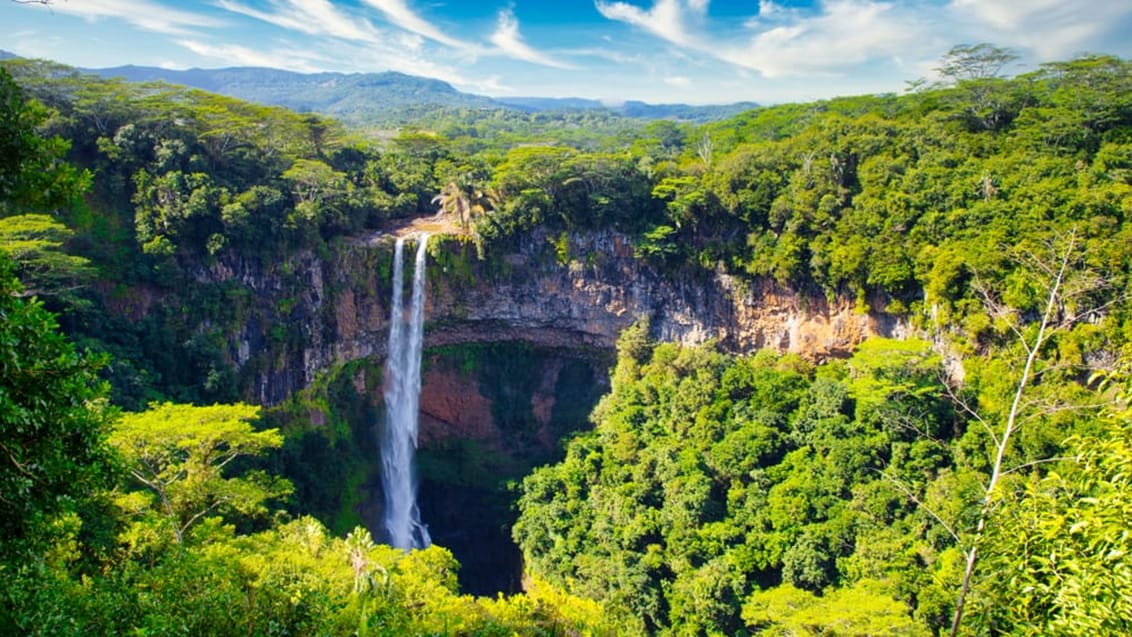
(981, 61)
(1061, 554)
(179, 453)
(460, 198)
(867, 608)
(977, 71)
(1066, 291)
(53, 415)
(33, 174)
(34, 242)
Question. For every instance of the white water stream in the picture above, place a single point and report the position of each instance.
(402, 404)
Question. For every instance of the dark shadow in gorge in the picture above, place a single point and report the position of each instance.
(475, 524)
(490, 413)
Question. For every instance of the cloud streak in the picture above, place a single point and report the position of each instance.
(402, 16)
(846, 33)
(1052, 28)
(781, 41)
(508, 40)
(313, 17)
(666, 18)
(236, 55)
(148, 16)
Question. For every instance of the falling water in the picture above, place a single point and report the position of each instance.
(402, 401)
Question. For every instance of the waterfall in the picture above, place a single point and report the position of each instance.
(402, 403)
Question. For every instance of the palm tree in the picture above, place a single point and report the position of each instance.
(454, 199)
(467, 201)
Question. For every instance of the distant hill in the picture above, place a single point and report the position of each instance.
(551, 103)
(7, 55)
(684, 112)
(389, 98)
(634, 109)
(356, 98)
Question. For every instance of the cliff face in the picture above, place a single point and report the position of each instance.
(335, 309)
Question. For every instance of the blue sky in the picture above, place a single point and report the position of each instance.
(691, 51)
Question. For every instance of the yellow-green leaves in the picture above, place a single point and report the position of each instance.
(180, 452)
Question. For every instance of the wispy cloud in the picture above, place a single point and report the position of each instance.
(401, 15)
(779, 40)
(666, 19)
(237, 55)
(699, 6)
(1052, 28)
(510, 42)
(332, 55)
(833, 37)
(143, 14)
(845, 33)
(314, 17)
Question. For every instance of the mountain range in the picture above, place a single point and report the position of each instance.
(389, 98)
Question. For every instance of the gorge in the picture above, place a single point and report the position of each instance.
(517, 351)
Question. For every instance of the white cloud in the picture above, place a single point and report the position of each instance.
(1008, 14)
(781, 41)
(768, 8)
(678, 81)
(510, 42)
(332, 55)
(666, 19)
(699, 6)
(236, 55)
(143, 14)
(610, 54)
(401, 15)
(1051, 28)
(315, 17)
(844, 34)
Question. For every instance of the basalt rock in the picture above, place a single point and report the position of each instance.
(311, 314)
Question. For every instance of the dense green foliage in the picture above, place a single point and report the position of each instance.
(53, 419)
(910, 197)
(1060, 560)
(902, 202)
(720, 493)
(708, 476)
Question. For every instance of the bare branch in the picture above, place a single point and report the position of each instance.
(200, 514)
(1034, 463)
(970, 411)
(912, 496)
(1047, 324)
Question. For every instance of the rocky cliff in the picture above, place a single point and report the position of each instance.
(312, 313)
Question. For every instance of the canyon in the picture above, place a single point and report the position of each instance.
(518, 349)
